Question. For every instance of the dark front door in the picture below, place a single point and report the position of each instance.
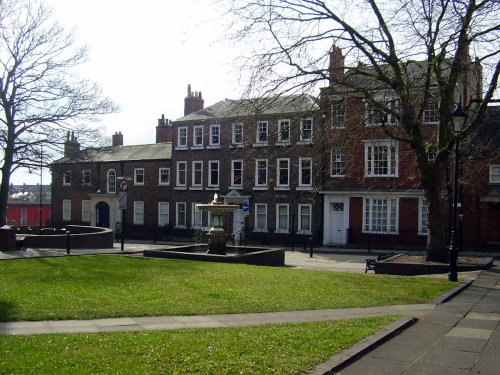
(102, 214)
(494, 222)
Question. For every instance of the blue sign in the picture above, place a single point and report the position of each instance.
(245, 207)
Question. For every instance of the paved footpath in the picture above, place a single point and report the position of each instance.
(459, 336)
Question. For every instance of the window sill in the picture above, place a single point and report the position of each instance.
(181, 148)
(283, 144)
(160, 184)
(236, 145)
(180, 227)
(260, 230)
(282, 231)
(213, 147)
(382, 176)
(239, 187)
(212, 188)
(304, 188)
(306, 232)
(337, 176)
(305, 143)
(197, 148)
(382, 233)
(196, 188)
(261, 188)
(260, 144)
(282, 188)
(180, 188)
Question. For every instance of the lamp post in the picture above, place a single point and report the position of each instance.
(458, 118)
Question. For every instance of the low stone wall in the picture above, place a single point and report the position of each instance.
(253, 256)
(81, 237)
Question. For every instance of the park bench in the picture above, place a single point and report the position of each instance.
(370, 262)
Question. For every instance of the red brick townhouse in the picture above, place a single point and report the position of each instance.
(262, 155)
(372, 190)
(86, 185)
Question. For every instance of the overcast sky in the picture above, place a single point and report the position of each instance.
(144, 54)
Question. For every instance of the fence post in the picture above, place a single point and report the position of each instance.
(68, 247)
(311, 247)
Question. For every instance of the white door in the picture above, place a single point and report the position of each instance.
(238, 225)
(338, 228)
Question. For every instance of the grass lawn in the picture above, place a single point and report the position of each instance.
(90, 287)
(267, 349)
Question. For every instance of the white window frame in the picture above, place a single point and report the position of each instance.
(215, 136)
(211, 164)
(310, 123)
(301, 214)
(302, 169)
(257, 169)
(284, 127)
(422, 216)
(376, 117)
(430, 114)
(373, 222)
(86, 177)
(279, 172)
(139, 172)
(197, 167)
(235, 185)
(180, 170)
(111, 181)
(164, 172)
(262, 134)
(284, 229)
(391, 158)
(138, 212)
(163, 213)
(85, 211)
(495, 174)
(182, 137)
(256, 219)
(237, 134)
(66, 210)
(180, 208)
(337, 162)
(67, 178)
(338, 114)
(197, 143)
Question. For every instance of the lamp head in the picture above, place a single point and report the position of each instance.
(458, 117)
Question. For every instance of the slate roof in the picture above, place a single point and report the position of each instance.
(250, 107)
(154, 151)
(486, 137)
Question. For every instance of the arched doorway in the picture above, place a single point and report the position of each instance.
(102, 214)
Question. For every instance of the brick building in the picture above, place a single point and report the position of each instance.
(298, 168)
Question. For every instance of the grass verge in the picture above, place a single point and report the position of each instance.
(266, 349)
(115, 286)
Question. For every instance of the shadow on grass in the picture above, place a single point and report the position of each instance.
(7, 312)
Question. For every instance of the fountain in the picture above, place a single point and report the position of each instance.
(216, 235)
(218, 251)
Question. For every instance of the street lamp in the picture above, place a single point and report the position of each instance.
(458, 118)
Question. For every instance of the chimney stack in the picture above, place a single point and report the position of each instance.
(71, 145)
(193, 101)
(117, 139)
(163, 130)
(337, 61)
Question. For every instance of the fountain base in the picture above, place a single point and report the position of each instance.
(216, 241)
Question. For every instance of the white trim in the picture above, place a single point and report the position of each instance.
(212, 144)
(136, 170)
(193, 171)
(287, 229)
(197, 145)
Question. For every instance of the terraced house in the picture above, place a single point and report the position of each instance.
(300, 169)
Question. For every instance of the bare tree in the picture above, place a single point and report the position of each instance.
(41, 96)
(287, 50)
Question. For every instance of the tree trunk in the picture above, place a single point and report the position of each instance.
(436, 248)
(4, 194)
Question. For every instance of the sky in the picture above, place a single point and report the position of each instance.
(144, 54)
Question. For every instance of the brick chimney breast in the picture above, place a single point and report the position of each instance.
(193, 101)
(163, 130)
(117, 139)
(337, 62)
